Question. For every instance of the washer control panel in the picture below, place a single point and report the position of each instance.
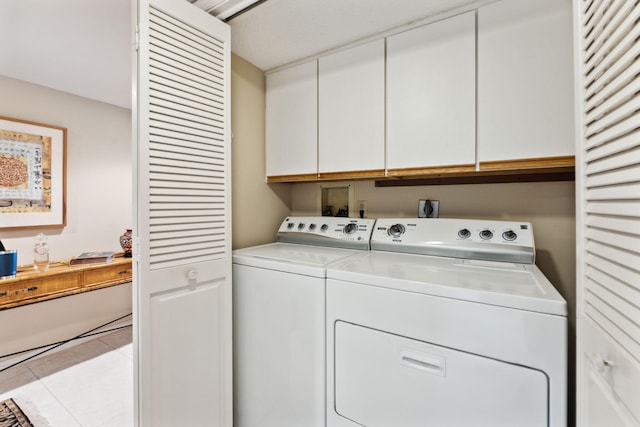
(327, 231)
(460, 238)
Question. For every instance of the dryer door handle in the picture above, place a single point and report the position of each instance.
(430, 363)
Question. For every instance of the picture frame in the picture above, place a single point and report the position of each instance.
(33, 171)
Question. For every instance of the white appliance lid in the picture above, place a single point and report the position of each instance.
(513, 285)
(290, 257)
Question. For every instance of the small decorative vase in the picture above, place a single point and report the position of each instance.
(125, 241)
(41, 253)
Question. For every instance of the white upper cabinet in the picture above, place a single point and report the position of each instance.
(292, 121)
(525, 80)
(431, 95)
(351, 111)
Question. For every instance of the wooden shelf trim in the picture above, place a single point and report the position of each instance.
(293, 178)
(560, 168)
(432, 170)
(542, 162)
(373, 173)
(30, 286)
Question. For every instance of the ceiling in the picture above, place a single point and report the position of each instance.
(84, 46)
(78, 46)
(278, 32)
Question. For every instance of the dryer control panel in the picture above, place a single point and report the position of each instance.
(339, 232)
(507, 241)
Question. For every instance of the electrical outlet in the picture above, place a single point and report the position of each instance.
(428, 208)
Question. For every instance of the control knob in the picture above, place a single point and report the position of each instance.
(312, 227)
(396, 230)
(290, 226)
(464, 233)
(301, 226)
(324, 227)
(350, 228)
(486, 234)
(509, 235)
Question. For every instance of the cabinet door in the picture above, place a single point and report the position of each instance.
(351, 111)
(431, 95)
(292, 122)
(525, 80)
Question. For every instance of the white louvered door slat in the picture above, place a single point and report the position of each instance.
(611, 283)
(589, 8)
(608, 219)
(612, 178)
(623, 143)
(619, 255)
(609, 223)
(615, 82)
(603, 164)
(604, 301)
(615, 270)
(620, 39)
(182, 230)
(599, 33)
(174, 95)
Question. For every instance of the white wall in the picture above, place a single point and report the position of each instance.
(99, 182)
(99, 209)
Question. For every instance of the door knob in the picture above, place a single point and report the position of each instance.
(602, 363)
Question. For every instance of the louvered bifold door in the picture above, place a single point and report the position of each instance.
(182, 234)
(608, 188)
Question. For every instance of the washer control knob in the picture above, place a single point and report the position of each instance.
(509, 235)
(350, 228)
(396, 230)
(312, 227)
(290, 226)
(324, 227)
(301, 226)
(464, 233)
(486, 234)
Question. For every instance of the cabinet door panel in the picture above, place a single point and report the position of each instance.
(431, 94)
(292, 121)
(351, 109)
(525, 80)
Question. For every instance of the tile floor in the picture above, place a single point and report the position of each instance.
(87, 385)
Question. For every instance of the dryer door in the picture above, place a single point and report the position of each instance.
(382, 379)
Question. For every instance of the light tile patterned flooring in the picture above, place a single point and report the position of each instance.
(87, 385)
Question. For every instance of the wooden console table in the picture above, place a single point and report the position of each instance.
(61, 280)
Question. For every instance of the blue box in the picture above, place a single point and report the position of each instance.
(8, 264)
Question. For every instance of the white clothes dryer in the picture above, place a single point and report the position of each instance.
(446, 322)
(279, 320)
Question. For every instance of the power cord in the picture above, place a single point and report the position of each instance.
(52, 346)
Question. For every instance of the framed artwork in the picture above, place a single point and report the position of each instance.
(32, 174)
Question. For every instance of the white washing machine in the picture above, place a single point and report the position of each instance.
(446, 322)
(279, 320)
